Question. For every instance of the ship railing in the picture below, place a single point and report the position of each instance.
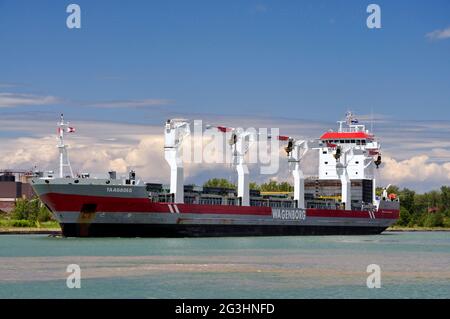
(353, 128)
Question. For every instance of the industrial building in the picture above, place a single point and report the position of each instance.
(14, 184)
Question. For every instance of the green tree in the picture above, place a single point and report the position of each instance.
(378, 190)
(407, 199)
(254, 186)
(405, 217)
(219, 182)
(273, 186)
(434, 220)
(44, 214)
(31, 209)
(416, 220)
(26, 209)
(445, 199)
(20, 210)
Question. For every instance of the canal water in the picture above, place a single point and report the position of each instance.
(412, 265)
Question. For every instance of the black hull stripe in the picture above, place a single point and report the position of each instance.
(152, 230)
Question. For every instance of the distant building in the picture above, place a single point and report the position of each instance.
(13, 186)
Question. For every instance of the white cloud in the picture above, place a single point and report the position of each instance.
(418, 169)
(439, 34)
(25, 152)
(17, 99)
(97, 147)
(88, 155)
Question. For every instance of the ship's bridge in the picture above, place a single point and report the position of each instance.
(358, 138)
(350, 134)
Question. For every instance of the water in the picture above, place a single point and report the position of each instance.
(413, 265)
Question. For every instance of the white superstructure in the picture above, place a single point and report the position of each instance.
(355, 155)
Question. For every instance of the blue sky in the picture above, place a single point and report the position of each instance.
(139, 62)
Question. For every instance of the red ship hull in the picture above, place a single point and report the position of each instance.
(93, 215)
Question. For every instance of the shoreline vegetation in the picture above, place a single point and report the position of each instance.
(418, 212)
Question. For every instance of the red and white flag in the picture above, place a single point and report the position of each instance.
(331, 145)
(224, 129)
(283, 138)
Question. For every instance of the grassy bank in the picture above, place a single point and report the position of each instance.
(417, 228)
(23, 226)
(23, 223)
(29, 216)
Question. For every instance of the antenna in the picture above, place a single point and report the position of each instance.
(63, 156)
(371, 119)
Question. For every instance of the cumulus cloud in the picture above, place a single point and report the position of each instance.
(440, 34)
(90, 155)
(17, 99)
(417, 169)
(23, 152)
(100, 146)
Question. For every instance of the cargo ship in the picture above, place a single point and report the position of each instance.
(341, 200)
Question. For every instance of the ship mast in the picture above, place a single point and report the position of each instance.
(62, 147)
(175, 131)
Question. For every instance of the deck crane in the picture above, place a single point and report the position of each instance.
(174, 133)
(343, 155)
(296, 150)
(240, 142)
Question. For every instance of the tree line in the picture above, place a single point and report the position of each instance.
(430, 209)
